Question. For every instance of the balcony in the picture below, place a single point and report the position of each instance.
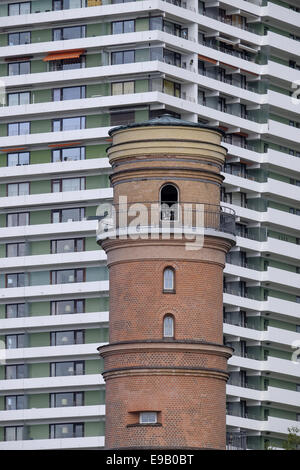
(167, 217)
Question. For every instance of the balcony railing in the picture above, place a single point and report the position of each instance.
(184, 215)
(236, 441)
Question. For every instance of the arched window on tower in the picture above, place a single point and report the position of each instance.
(169, 280)
(168, 326)
(169, 202)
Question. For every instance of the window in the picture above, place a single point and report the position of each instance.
(163, 25)
(66, 276)
(297, 328)
(69, 93)
(15, 372)
(67, 215)
(15, 280)
(17, 189)
(169, 281)
(122, 88)
(15, 249)
(67, 64)
(172, 58)
(172, 88)
(62, 307)
(169, 201)
(59, 431)
(16, 99)
(18, 68)
(13, 433)
(72, 32)
(62, 338)
(67, 246)
(14, 341)
(68, 184)
(19, 8)
(168, 326)
(122, 57)
(15, 310)
(68, 124)
(14, 402)
(58, 400)
(68, 154)
(119, 27)
(17, 219)
(59, 369)
(67, 4)
(17, 159)
(122, 118)
(148, 417)
(18, 128)
(16, 39)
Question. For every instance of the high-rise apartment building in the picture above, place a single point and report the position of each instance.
(72, 70)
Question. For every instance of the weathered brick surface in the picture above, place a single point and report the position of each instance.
(138, 304)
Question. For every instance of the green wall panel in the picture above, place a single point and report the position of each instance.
(39, 431)
(40, 217)
(3, 70)
(41, 5)
(93, 60)
(41, 35)
(42, 96)
(97, 305)
(1, 434)
(2, 372)
(39, 308)
(94, 397)
(2, 403)
(40, 187)
(39, 339)
(3, 130)
(40, 156)
(41, 369)
(2, 220)
(94, 429)
(4, 10)
(40, 126)
(96, 151)
(97, 89)
(2, 311)
(2, 190)
(94, 367)
(96, 274)
(40, 247)
(90, 244)
(98, 335)
(142, 24)
(38, 66)
(3, 40)
(98, 29)
(40, 278)
(97, 181)
(39, 400)
(141, 86)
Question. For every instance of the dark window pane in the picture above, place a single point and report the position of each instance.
(117, 27)
(128, 57)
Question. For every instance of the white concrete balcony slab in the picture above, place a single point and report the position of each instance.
(53, 353)
(276, 336)
(30, 172)
(277, 218)
(290, 251)
(70, 414)
(46, 231)
(289, 134)
(76, 289)
(52, 199)
(57, 322)
(281, 43)
(280, 101)
(52, 444)
(278, 277)
(290, 310)
(62, 260)
(283, 72)
(281, 14)
(279, 366)
(280, 160)
(53, 384)
(97, 134)
(273, 394)
(274, 425)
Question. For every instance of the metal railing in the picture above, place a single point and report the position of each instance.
(236, 441)
(178, 215)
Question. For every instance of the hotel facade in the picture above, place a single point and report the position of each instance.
(72, 70)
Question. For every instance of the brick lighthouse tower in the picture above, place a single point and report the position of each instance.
(165, 366)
